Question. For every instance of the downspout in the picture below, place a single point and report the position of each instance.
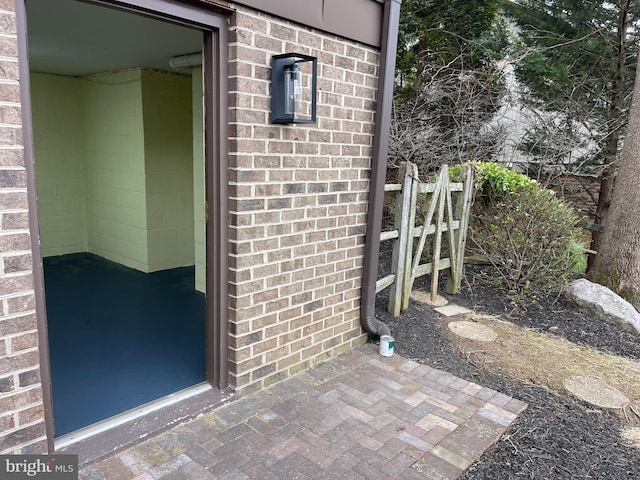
(391, 21)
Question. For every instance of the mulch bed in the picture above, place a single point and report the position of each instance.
(558, 436)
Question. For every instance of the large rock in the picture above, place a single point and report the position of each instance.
(602, 303)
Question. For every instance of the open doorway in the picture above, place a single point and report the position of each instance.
(119, 160)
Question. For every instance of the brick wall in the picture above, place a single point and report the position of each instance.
(21, 410)
(298, 203)
(298, 198)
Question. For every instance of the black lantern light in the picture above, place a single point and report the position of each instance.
(294, 82)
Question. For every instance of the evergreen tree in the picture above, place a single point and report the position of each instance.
(579, 60)
(455, 35)
(449, 84)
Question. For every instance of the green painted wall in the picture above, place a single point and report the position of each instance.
(115, 167)
(168, 141)
(58, 150)
(197, 90)
(114, 163)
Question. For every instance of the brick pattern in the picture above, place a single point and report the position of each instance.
(359, 416)
(298, 203)
(298, 212)
(21, 410)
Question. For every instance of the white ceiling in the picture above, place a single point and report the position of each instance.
(68, 37)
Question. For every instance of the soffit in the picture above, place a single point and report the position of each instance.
(359, 20)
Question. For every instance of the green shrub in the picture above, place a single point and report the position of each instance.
(527, 233)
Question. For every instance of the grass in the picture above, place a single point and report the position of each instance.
(533, 357)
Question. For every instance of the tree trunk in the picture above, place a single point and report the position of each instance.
(602, 210)
(615, 121)
(617, 264)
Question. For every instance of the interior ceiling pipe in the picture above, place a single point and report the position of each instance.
(186, 61)
(391, 21)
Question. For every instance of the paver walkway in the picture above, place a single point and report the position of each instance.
(357, 416)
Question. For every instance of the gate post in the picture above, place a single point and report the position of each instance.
(463, 211)
(404, 219)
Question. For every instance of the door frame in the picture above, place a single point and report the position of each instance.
(212, 21)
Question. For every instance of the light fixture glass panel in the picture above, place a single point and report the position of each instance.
(294, 86)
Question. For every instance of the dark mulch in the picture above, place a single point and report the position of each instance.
(558, 436)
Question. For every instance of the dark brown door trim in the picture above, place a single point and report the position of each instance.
(34, 228)
(212, 20)
(216, 74)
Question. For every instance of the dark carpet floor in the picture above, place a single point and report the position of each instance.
(119, 338)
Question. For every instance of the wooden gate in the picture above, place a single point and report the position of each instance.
(440, 215)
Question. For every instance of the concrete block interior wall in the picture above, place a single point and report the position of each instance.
(115, 167)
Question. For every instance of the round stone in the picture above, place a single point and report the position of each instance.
(596, 392)
(473, 331)
(632, 435)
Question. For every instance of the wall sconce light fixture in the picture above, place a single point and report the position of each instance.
(294, 83)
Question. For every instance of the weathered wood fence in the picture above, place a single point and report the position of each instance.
(440, 216)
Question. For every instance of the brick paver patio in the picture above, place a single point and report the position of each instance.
(357, 416)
